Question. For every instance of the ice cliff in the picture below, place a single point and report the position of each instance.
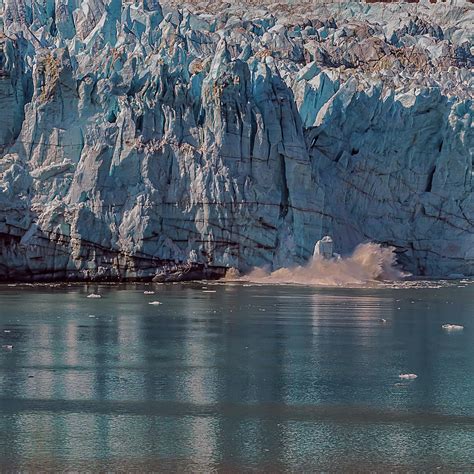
(141, 138)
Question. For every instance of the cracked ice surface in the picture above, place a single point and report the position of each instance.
(139, 136)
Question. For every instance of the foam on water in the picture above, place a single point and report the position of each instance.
(370, 263)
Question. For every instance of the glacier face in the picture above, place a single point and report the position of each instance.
(139, 138)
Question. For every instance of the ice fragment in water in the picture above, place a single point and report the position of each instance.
(408, 376)
(452, 327)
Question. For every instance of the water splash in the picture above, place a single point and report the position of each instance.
(369, 263)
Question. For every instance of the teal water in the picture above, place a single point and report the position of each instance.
(236, 378)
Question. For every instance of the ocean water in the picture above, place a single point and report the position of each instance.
(236, 377)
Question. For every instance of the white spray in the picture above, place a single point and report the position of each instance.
(368, 264)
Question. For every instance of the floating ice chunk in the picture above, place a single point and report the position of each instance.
(155, 302)
(408, 376)
(208, 291)
(452, 327)
(7, 330)
(7, 347)
(94, 295)
(148, 292)
(382, 320)
(91, 315)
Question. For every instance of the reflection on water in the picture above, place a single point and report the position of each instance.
(258, 377)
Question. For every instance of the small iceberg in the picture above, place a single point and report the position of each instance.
(382, 320)
(7, 347)
(408, 376)
(155, 302)
(452, 327)
(94, 295)
(148, 292)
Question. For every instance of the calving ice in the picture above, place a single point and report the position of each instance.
(144, 138)
(324, 248)
(368, 264)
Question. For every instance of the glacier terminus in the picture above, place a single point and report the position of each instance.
(152, 138)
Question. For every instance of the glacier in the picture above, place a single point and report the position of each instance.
(175, 140)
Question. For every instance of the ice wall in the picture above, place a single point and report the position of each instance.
(138, 138)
